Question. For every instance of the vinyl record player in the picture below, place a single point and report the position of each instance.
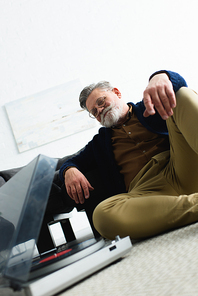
(23, 201)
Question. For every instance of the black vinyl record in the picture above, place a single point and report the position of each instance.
(65, 255)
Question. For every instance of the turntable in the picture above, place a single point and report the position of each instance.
(23, 200)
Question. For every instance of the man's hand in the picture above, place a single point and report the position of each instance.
(159, 94)
(77, 185)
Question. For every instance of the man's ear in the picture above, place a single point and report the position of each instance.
(117, 92)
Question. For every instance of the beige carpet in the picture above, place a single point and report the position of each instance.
(163, 265)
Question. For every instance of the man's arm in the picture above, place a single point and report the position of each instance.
(72, 172)
(160, 93)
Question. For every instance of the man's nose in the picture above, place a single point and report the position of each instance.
(100, 109)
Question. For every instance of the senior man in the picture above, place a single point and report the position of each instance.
(147, 154)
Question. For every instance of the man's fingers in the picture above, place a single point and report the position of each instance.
(166, 101)
(148, 105)
(86, 187)
(159, 95)
(162, 104)
(80, 191)
(146, 114)
(156, 99)
(171, 95)
(80, 194)
(72, 193)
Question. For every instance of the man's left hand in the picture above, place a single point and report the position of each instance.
(159, 94)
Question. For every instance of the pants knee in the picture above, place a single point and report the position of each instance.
(99, 219)
(102, 222)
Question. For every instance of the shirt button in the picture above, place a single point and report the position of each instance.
(129, 133)
(124, 124)
(144, 151)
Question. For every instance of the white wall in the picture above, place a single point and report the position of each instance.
(44, 43)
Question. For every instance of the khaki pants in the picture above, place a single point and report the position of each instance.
(164, 194)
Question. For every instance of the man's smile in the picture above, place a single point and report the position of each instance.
(105, 111)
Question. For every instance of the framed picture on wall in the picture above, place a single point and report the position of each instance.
(47, 116)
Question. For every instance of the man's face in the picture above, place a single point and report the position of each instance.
(110, 112)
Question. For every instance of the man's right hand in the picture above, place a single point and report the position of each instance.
(159, 94)
(77, 185)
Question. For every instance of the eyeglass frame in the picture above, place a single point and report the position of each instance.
(91, 113)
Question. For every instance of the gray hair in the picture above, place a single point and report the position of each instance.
(104, 85)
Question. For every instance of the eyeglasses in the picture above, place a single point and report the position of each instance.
(100, 102)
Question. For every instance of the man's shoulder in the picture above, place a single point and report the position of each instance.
(138, 107)
(104, 130)
(139, 104)
(103, 133)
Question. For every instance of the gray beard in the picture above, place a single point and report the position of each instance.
(113, 116)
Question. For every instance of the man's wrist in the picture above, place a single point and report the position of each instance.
(159, 72)
(65, 170)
